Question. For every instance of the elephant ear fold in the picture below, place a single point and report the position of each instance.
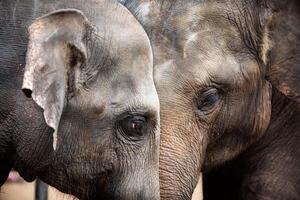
(283, 65)
(54, 55)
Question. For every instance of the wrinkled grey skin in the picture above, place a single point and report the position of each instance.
(227, 75)
(88, 73)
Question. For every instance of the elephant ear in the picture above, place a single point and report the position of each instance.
(283, 65)
(55, 53)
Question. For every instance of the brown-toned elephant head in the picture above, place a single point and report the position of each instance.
(217, 64)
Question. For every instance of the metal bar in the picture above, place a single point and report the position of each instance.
(41, 190)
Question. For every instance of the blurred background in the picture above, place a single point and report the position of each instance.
(16, 188)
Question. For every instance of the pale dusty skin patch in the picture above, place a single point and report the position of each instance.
(144, 10)
(198, 192)
(191, 38)
(266, 42)
(161, 70)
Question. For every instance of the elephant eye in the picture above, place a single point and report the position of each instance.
(134, 127)
(208, 100)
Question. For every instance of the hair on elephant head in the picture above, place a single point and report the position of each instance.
(217, 67)
(89, 71)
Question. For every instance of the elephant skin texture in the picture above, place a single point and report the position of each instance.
(87, 120)
(227, 75)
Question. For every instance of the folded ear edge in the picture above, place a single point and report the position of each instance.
(279, 52)
(45, 73)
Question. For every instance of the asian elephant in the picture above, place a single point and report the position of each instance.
(227, 75)
(90, 126)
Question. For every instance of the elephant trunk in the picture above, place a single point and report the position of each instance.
(178, 173)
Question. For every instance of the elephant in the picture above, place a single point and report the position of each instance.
(78, 105)
(227, 75)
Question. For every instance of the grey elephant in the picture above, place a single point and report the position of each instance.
(90, 126)
(227, 75)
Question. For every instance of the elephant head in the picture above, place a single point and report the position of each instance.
(90, 72)
(217, 65)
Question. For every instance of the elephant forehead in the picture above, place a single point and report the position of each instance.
(215, 65)
(201, 56)
(199, 70)
(124, 39)
(125, 85)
